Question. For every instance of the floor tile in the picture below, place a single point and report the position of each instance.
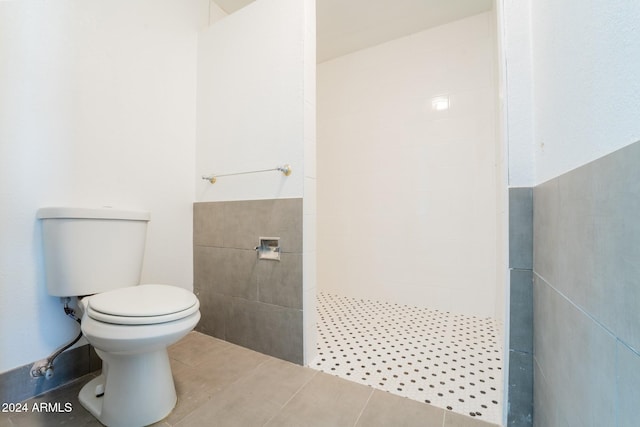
(196, 385)
(229, 365)
(196, 348)
(192, 391)
(236, 386)
(385, 409)
(290, 378)
(324, 401)
(252, 400)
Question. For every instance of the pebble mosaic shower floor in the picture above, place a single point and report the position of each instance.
(452, 361)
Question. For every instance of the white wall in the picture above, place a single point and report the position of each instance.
(97, 108)
(250, 102)
(257, 110)
(586, 85)
(216, 13)
(517, 84)
(572, 85)
(309, 202)
(407, 201)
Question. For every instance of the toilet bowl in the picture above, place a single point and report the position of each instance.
(130, 329)
(99, 252)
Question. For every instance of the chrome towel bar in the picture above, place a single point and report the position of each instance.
(285, 169)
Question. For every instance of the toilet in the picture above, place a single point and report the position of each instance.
(95, 256)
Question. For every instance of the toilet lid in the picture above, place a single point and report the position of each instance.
(142, 305)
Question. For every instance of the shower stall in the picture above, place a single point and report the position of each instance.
(411, 217)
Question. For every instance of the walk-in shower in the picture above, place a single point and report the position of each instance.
(453, 361)
(410, 207)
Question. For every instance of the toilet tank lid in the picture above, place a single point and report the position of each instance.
(92, 213)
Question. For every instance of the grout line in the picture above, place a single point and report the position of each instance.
(300, 388)
(364, 407)
(291, 398)
(521, 269)
(520, 351)
(631, 349)
(246, 374)
(558, 409)
(583, 311)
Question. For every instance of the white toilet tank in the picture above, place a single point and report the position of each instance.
(88, 251)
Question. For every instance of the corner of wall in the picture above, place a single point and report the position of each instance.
(520, 372)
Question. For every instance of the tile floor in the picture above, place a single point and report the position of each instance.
(221, 384)
(452, 361)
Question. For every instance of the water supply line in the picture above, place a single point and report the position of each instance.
(44, 367)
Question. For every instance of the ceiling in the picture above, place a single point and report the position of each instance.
(344, 26)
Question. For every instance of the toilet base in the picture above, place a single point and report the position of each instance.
(138, 389)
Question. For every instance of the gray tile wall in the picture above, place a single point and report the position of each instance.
(17, 385)
(587, 294)
(521, 228)
(520, 412)
(251, 302)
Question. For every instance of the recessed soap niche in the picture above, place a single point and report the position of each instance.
(269, 248)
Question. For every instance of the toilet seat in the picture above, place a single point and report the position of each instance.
(142, 305)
